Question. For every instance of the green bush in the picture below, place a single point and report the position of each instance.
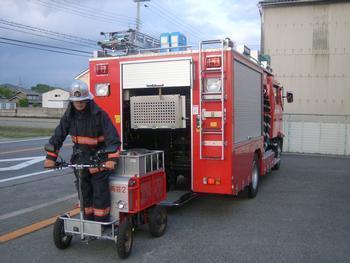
(23, 102)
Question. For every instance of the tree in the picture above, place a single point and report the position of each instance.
(42, 88)
(23, 102)
(6, 92)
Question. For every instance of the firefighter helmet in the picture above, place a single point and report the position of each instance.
(79, 91)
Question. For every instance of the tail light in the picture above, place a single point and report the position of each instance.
(211, 181)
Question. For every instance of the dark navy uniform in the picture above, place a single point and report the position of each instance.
(90, 130)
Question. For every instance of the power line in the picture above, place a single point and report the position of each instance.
(46, 36)
(81, 13)
(48, 32)
(96, 11)
(44, 45)
(171, 21)
(49, 50)
(189, 28)
(169, 13)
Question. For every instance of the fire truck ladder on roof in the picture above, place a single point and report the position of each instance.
(217, 97)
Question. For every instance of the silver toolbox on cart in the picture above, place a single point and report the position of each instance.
(137, 162)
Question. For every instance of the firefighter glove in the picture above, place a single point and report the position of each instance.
(49, 163)
(110, 165)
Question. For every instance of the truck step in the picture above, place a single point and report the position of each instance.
(178, 198)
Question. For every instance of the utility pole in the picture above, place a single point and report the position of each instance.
(19, 82)
(138, 2)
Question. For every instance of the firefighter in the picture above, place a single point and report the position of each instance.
(91, 130)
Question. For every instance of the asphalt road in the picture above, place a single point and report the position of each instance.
(29, 186)
(301, 214)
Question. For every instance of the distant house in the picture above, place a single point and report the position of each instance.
(3, 99)
(84, 76)
(34, 98)
(57, 98)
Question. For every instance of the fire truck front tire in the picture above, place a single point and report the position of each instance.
(278, 152)
(60, 238)
(254, 185)
(125, 239)
(157, 221)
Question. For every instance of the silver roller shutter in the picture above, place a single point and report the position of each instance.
(247, 102)
(166, 73)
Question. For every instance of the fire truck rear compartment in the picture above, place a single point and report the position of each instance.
(159, 127)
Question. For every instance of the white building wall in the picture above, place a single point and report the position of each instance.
(84, 76)
(309, 45)
(57, 98)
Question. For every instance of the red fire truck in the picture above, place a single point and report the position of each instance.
(216, 113)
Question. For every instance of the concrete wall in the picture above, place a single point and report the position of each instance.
(309, 47)
(33, 112)
(8, 113)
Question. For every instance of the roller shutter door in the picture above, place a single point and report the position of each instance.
(247, 102)
(166, 73)
(317, 137)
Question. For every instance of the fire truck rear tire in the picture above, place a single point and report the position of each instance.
(254, 185)
(60, 238)
(125, 239)
(157, 221)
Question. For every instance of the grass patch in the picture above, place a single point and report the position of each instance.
(23, 132)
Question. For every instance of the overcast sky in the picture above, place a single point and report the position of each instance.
(206, 19)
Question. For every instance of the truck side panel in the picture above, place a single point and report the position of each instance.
(247, 125)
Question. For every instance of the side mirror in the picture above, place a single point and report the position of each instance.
(289, 97)
(49, 148)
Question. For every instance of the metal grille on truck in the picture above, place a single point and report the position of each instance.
(150, 112)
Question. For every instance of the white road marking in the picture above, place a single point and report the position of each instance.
(30, 161)
(36, 207)
(25, 140)
(27, 175)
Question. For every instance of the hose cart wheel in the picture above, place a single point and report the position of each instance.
(157, 221)
(125, 239)
(60, 238)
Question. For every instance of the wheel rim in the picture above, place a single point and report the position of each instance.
(255, 177)
(278, 151)
(64, 237)
(160, 220)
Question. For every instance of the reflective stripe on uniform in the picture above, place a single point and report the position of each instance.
(52, 154)
(89, 210)
(102, 212)
(113, 155)
(87, 140)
